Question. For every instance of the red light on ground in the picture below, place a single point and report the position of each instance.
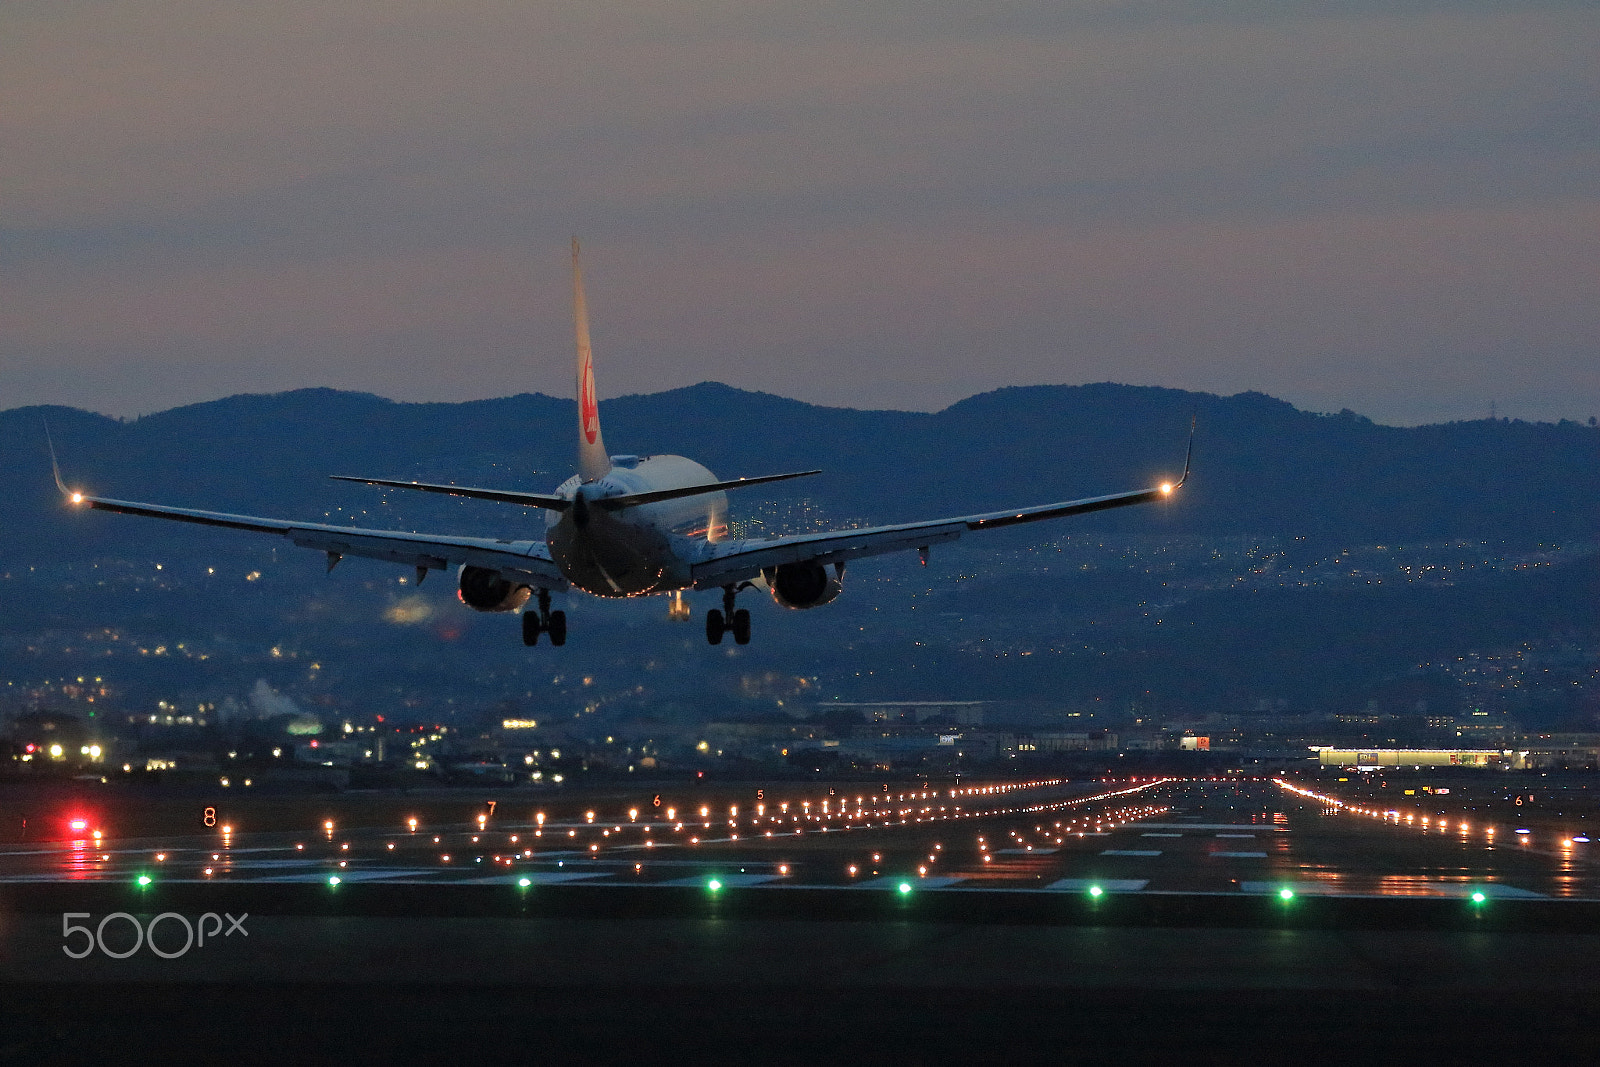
(78, 824)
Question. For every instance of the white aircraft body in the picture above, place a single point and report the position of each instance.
(625, 526)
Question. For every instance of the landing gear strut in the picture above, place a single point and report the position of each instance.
(544, 620)
(728, 620)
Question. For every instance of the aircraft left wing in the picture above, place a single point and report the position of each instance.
(527, 561)
(740, 561)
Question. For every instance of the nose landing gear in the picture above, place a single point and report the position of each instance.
(728, 620)
(544, 620)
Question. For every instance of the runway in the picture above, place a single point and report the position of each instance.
(1206, 920)
(1153, 837)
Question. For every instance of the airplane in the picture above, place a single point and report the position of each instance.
(625, 526)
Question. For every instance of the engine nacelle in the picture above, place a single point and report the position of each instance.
(483, 589)
(805, 584)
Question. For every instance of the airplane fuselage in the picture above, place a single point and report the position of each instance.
(637, 550)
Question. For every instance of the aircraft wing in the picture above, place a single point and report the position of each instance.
(517, 560)
(737, 561)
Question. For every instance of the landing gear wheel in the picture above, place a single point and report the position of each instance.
(557, 627)
(531, 628)
(715, 627)
(741, 626)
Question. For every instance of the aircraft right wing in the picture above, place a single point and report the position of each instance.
(731, 562)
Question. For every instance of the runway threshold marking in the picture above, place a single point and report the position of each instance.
(729, 880)
(343, 874)
(1109, 885)
(1131, 852)
(1240, 855)
(536, 877)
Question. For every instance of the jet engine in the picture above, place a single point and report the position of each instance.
(484, 589)
(805, 584)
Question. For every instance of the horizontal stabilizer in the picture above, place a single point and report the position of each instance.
(630, 500)
(505, 496)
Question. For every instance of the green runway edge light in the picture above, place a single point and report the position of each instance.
(713, 885)
(1479, 896)
(1096, 892)
(905, 887)
(1286, 894)
(333, 879)
(143, 880)
(524, 882)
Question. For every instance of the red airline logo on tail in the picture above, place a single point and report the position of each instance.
(586, 404)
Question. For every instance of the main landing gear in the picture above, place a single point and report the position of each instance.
(728, 620)
(544, 620)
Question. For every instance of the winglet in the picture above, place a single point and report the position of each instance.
(55, 468)
(1189, 454)
(1168, 488)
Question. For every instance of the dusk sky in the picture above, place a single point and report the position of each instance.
(1392, 207)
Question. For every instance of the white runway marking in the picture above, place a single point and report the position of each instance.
(734, 880)
(342, 875)
(1110, 885)
(536, 877)
(1131, 852)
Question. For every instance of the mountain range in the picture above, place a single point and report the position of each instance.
(1262, 467)
(1313, 561)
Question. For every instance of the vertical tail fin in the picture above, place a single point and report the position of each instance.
(593, 460)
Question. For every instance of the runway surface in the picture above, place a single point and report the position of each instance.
(1163, 836)
(1046, 922)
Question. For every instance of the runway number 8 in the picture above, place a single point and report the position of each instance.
(209, 817)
